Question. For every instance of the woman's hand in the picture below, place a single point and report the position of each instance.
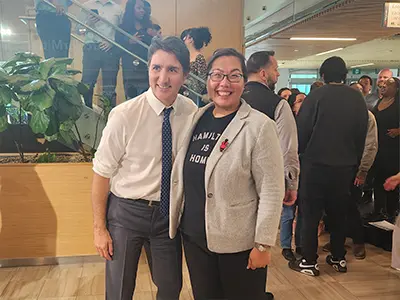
(258, 259)
(395, 132)
(137, 37)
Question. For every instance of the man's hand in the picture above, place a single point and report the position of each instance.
(92, 19)
(392, 182)
(105, 46)
(103, 243)
(60, 10)
(359, 181)
(290, 197)
(258, 259)
(395, 132)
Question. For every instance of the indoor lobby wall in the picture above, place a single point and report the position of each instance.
(223, 17)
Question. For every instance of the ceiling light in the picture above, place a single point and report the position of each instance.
(321, 39)
(5, 31)
(296, 50)
(330, 51)
(362, 65)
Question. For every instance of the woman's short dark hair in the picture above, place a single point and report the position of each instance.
(156, 27)
(282, 90)
(228, 52)
(367, 77)
(333, 69)
(201, 36)
(173, 45)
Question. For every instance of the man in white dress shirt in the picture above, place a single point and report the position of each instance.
(130, 191)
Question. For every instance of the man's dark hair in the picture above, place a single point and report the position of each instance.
(259, 60)
(228, 52)
(282, 90)
(333, 69)
(316, 84)
(366, 76)
(173, 45)
(156, 27)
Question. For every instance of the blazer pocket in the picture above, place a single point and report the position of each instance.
(242, 204)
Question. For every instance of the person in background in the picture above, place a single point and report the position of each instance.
(284, 93)
(295, 90)
(366, 83)
(53, 27)
(372, 98)
(387, 162)
(99, 54)
(196, 39)
(229, 186)
(296, 101)
(392, 182)
(134, 72)
(132, 171)
(315, 85)
(354, 220)
(262, 68)
(357, 86)
(330, 153)
(155, 30)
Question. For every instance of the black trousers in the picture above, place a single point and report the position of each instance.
(385, 201)
(55, 33)
(94, 60)
(324, 188)
(135, 79)
(133, 225)
(222, 276)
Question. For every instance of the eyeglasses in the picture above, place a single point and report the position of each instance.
(232, 78)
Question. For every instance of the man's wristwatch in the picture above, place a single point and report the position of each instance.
(262, 248)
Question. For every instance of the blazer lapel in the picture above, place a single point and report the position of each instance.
(228, 135)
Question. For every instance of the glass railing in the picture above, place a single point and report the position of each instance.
(56, 85)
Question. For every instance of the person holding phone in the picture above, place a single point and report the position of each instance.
(53, 27)
(136, 22)
(98, 54)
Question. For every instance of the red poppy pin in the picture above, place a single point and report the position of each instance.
(223, 146)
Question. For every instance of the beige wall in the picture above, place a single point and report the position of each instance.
(223, 17)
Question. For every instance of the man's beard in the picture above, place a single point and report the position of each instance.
(271, 85)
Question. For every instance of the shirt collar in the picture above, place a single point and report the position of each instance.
(158, 106)
(108, 2)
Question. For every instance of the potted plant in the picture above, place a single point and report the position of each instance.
(45, 209)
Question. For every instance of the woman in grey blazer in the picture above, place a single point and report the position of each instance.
(227, 189)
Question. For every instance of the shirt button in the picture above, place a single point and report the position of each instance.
(210, 195)
(175, 181)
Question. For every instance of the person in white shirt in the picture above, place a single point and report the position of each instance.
(132, 172)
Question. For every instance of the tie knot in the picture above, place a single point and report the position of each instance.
(167, 111)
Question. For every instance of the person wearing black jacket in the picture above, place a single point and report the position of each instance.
(332, 126)
(134, 72)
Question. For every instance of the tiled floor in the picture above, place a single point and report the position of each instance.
(369, 279)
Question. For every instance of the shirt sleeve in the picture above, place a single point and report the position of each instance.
(371, 147)
(287, 133)
(268, 173)
(112, 146)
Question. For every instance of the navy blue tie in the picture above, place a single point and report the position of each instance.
(166, 163)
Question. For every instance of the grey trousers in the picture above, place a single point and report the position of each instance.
(133, 225)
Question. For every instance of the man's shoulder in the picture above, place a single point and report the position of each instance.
(186, 104)
(130, 107)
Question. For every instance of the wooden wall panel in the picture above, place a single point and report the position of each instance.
(45, 210)
(223, 17)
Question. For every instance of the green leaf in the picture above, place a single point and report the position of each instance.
(21, 57)
(43, 99)
(6, 95)
(3, 123)
(33, 86)
(23, 68)
(20, 80)
(67, 125)
(66, 79)
(64, 61)
(3, 76)
(68, 137)
(45, 67)
(3, 111)
(83, 88)
(73, 72)
(69, 92)
(39, 122)
(51, 138)
(65, 110)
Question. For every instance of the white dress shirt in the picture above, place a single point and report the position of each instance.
(130, 149)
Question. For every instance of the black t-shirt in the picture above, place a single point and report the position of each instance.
(204, 139)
